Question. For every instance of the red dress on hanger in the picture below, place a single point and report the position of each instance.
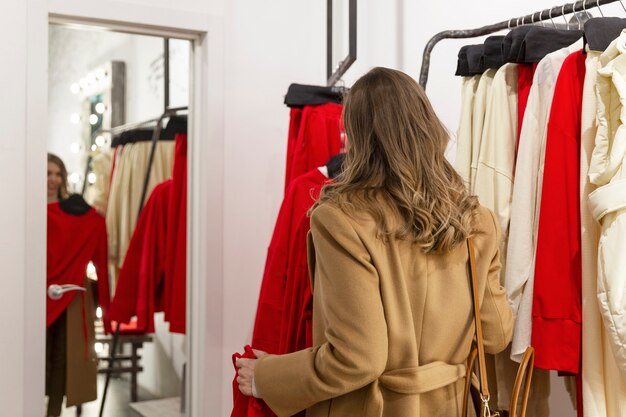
(557, 315)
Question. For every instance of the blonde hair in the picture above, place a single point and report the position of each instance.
(63, 193)
(395, 160)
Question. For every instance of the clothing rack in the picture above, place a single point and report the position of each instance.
(543, 15)
(167, 112)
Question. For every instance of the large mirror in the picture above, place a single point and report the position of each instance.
(116, 342)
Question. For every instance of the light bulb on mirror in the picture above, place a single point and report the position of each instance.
(83, 83)
(93, 119)
(101, 74)
(100, 108)
(94, 148)
(74, 177)
(91, 78)
(100, 141)
(91, 177)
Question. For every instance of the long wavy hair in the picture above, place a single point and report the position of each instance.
(395, 160)
(63, 189)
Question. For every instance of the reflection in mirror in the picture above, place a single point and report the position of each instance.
(116, 256)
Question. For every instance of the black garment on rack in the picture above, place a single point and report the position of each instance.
(462, 67)
(175, 125)
(512, 42)
(474, 59)
(492, 55)
(299, 95)
(601, 31)
(541, 41)
(335, 165)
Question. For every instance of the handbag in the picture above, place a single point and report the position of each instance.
(480, 395)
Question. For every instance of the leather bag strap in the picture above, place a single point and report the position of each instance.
(480, 345)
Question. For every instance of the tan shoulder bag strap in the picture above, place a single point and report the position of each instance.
(484, 387)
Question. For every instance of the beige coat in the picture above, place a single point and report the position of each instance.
(481, 98)
(392, 326)
(608, 206)
(463, 162)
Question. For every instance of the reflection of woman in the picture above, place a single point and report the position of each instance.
(392, 308)
(57, 179)
(76, 235)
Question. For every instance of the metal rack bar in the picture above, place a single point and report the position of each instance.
(540, 16)
(347, 62)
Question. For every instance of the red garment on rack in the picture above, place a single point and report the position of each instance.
(140, 283)
(73, 241)
(525, 74)
(297, 202)
(296, 325)
(295, 116)
(176, 238)
(557, 316)
(243, 405)
(319, 138)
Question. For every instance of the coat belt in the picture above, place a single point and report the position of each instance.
(422, 379)
(608, 199)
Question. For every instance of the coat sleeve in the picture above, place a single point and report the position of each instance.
(347, 291)
(495, 311)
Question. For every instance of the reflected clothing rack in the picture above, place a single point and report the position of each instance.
(536, 17)
(158, 128)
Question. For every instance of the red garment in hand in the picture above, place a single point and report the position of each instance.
(319, 139)
(557, 316)
(140, 283)
(297, 202)
(244, 406)
(296, 325)
(73, 241)
(176, 249)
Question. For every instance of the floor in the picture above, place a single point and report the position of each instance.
(167, 407)
(117, 403)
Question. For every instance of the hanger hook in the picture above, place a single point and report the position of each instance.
(523, 17)
(532, 19)
(563, 15)
(578, 22)
(550, 16)
(599, 8)
(623, 7)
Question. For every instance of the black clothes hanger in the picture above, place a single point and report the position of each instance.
(462, 66)
(474, 61)
(601, 31)
(492, 55)
(75, 204)
(299, 95)
(176, 125)
(540, 41)
(512, 42)
(335, 165)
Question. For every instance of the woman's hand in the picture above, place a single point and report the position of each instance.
(245, 379)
